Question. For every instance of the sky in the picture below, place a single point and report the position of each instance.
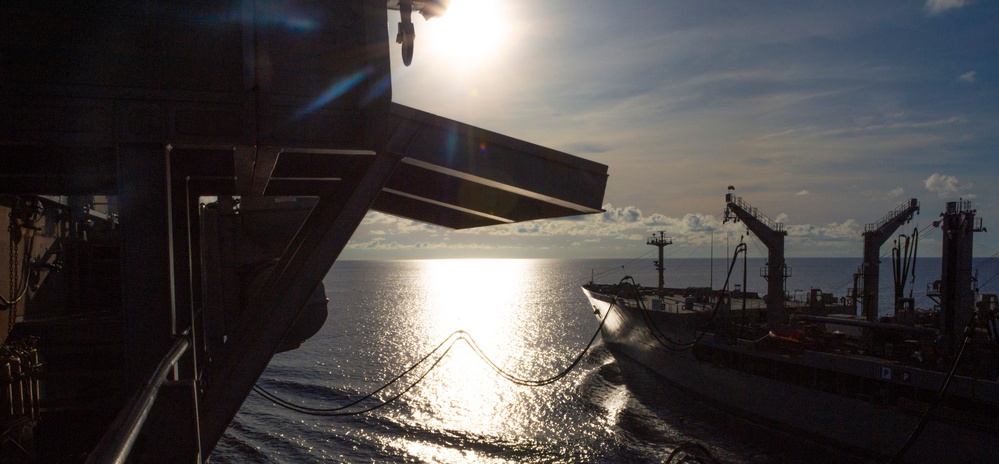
(824, 115)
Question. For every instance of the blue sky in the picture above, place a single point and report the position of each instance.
(824, 115)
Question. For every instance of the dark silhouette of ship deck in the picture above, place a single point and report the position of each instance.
(179, 177)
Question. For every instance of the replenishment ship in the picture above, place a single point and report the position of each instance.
(915, 385)
(176, 179)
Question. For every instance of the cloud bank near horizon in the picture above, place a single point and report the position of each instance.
(615, 233)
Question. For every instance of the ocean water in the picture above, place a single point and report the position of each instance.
(531, 320)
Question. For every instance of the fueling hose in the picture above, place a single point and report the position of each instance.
(449, 341)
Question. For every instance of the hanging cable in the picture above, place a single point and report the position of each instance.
(969, 331)
(450, 340)
(664, 339)
(339, 411)
(690, 453)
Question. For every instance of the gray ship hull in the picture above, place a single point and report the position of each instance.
(866, 407)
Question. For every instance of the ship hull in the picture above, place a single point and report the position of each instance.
(865, 407)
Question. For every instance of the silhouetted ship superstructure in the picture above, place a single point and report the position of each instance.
(918, 386)
(176, 178)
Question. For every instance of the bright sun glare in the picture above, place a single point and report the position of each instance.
(471, 32)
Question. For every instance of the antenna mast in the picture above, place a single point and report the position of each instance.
(661, 241)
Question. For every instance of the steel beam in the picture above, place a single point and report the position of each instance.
(145, 257)
(236, 367)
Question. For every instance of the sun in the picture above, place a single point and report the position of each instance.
(472, 32)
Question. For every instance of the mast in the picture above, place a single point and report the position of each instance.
(957, 297)
(875, 235)
(772, 234)
(661, 241)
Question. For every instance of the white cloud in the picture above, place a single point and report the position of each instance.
(933, 7)
(375, 217)
(968, 77)
(803, 192)
(896, 192)
(847, 230)
(948, 186)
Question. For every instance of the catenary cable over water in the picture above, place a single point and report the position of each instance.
(449, 341)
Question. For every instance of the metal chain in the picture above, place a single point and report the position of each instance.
(13, 271)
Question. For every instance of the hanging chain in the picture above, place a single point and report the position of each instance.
(12, 230)
(14, 240)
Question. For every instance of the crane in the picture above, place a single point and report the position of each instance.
(875, 235)
(772, 234)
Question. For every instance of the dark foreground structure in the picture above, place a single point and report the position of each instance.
(178, 177)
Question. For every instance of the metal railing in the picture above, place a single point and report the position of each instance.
(754, 212)
(912, 203)
(117, 442)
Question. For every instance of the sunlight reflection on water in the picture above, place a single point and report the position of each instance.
(494, 301)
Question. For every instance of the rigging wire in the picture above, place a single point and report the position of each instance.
(682, 262)
(987, 261)
(842, 283)
(615, 268)
(989, 280)
(756, 244)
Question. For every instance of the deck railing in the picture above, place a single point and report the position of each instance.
(117, 442)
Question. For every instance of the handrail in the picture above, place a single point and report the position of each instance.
(117, 442)
(912, 203)
(754, 212)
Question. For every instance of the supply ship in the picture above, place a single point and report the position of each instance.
(176, 179)
(911, 385)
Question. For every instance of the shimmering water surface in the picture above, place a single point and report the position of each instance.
(530, 318)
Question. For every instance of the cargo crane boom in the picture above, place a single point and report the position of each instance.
(772, 234)
(875, 235)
